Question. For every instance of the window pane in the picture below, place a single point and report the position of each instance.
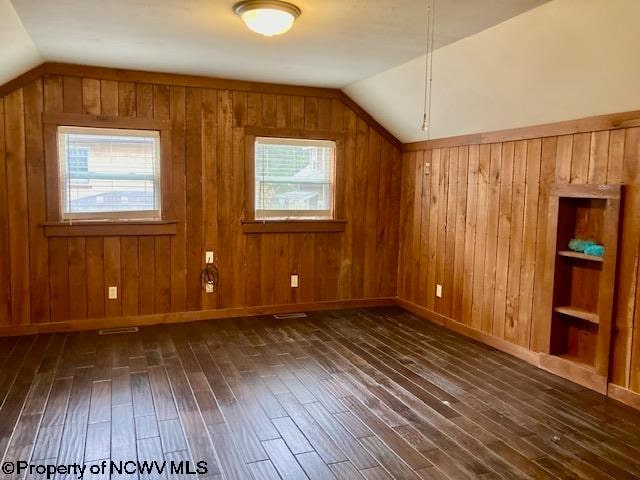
(108, 170)
(294, 178)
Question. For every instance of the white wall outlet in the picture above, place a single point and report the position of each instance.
(295, 281)
(113, 293)
(438, 290)
(208, 287)
(208, 258)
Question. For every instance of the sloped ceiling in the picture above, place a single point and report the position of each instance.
(564, 60)
(334, 42)
(500, 63)
(18, 52)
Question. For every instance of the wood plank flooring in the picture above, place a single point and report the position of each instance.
(357, 394)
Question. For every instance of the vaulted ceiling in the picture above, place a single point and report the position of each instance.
(334, 42)
(499, 63)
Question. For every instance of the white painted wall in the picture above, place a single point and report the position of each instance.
(17, 51)
(564, 60)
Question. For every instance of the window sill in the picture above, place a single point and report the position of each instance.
(293, 226)
(109, 228)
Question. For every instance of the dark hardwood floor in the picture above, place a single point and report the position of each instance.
(372, 394)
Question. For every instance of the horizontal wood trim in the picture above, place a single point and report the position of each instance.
(624, 395)
(583, 125)
(104, 121)
(184, 317)
(580, 374)
(295, 133)
(294, 226)
(497, 343)
(109, 229)
(22, 80)
(586, 191)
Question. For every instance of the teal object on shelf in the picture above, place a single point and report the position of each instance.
(595, 250)
(578, 245)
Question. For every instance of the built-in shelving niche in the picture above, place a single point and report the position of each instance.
(581, 297)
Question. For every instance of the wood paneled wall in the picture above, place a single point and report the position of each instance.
(45, 280)
(474, 220)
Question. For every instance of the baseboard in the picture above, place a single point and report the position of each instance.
(498, 343)
(184, 317)
(624, 395)
(616, 392)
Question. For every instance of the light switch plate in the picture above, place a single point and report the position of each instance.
(113, 293)
(439, 291)
(295, 281)
(208, 258)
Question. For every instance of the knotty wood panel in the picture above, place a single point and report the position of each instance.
(46, 280)
(491, 241)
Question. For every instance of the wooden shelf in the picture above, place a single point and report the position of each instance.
(577, 360)
(579, 313)
(581, 256)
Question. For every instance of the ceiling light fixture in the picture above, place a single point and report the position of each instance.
(428, 72)
(267, 17)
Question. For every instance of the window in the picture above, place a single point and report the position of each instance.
(78, 159)
(294, 178)
(108, 173)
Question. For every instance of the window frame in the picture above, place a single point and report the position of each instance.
(252, 224)
(52, 123)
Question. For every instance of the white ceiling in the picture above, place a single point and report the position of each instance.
(17, 52)
(546, 65)
(333, 44)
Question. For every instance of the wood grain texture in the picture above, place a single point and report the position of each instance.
(58, 273)
(504, 235)
(359, 394)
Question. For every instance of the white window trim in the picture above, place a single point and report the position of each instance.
(308, 215)
(155, 214)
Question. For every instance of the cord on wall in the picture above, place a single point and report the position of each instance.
(209, 275)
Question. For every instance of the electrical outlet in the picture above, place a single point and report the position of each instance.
(427, 168)
(439, 290)
(113, 293)
(294, 281)
(208, 258)
(208, 287)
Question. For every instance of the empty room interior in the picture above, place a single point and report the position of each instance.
(338, 239)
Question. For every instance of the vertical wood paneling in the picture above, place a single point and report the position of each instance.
(224, 171)
(178, 247)
(5, 260)
(371, 213)
(38, 246)
(96, 292)
(17, 206)
(129, 281)
(146, 275)
(209, 182)
(504, 239)
(162, 260)
(77, 268)
(499, 243)
(193, 169)
(203, 190)
(113, 275)
(91, 103)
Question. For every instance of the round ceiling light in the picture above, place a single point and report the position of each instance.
(267, 17)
